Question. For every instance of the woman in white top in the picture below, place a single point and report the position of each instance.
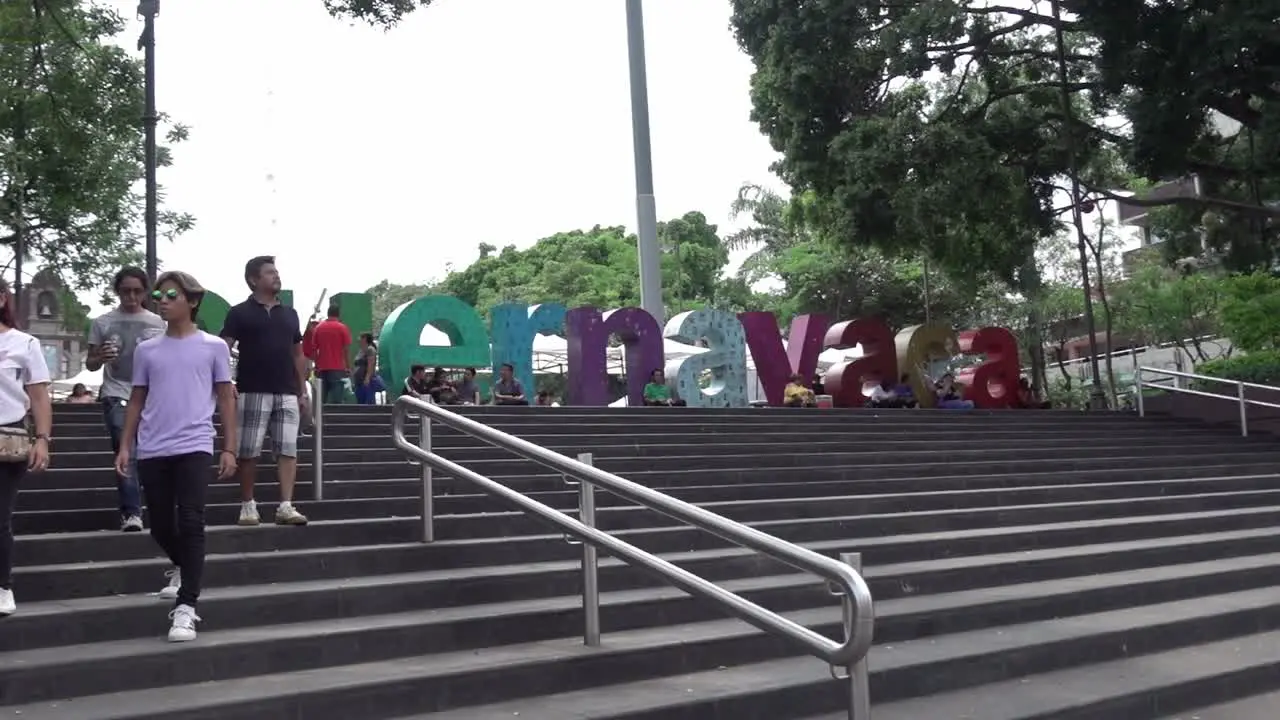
(24, 383)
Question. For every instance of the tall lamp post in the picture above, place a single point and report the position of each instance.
(148, 9)
(646, 211)
(1097, 398)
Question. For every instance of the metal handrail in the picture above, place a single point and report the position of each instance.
(858, 606)
(1177, 388)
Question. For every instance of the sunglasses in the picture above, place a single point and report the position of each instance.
(171, 293)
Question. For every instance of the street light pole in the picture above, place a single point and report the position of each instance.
(1097, 398)
(148, 9)
(646, 211)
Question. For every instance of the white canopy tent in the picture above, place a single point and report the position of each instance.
(92, 380)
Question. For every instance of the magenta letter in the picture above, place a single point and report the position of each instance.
(775, 367)
(588, 334)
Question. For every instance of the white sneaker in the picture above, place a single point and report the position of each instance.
(7, 606)
(133, 523)
(184, 624)
(170, 591)
(287, 514)
(249, 514)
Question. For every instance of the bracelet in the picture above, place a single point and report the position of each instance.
(43, 437)
(232, 453)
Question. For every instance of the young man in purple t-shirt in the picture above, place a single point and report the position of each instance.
(177, 379)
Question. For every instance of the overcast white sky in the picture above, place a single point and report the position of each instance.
(356, 155)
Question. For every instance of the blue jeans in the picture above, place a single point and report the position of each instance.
(365, 394)
(127, 491)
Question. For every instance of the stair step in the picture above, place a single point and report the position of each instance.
(733, 693)
(1256, 707)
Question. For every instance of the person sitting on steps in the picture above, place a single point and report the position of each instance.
(508, 390)
(949, 395)
(1027, 398)
(441, 389)
(417, 385)
(796, 394)
(884, 396)
(657, 393)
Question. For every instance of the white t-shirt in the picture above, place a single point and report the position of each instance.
(21, 364)
(879, 393)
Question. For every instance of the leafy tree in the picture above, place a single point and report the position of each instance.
(1249, 311)
(386, 296)
(595, 267)
(375, 12)
(1162, 304)
(1177, 71)
(968, 165)
(818, 275)
(71, 103)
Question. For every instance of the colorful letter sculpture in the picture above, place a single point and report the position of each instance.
(213, 313)
(512, 328)
(918, 347)
(726, 359)
(775, 365)
(214, 309)
(588, 332)
(356, 312)
(993, 383)
(847, 382)
(400, 342)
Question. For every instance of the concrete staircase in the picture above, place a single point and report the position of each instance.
(1025, 566)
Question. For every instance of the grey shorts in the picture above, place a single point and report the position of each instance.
(263, 413)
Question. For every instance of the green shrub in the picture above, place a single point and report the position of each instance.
(1262, 368)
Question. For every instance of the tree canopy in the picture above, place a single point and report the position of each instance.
(595, 267)
(942, 124)
(71, 105)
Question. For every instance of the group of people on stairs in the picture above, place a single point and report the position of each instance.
(163, 379)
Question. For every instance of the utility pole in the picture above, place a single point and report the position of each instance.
(1097, 398)
(646, 211)
(148, 9)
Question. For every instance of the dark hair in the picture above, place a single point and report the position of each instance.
(130, 271)
(334, 311)
(415, 369)
(655, 371)
(79, 389)
(904, 379)
(438, 372)
(6, 312)
(509, 366)
(254, 267)
(471, 372)
(368, 337)
(797, 377)
(190, 287)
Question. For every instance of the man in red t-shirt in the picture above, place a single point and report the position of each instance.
(328, 345)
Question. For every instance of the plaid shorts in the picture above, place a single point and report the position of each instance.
(263, 413)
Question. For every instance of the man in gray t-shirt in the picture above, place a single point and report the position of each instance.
(113, 336)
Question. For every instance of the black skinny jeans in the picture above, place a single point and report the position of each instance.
(11, 474)
(174, 487)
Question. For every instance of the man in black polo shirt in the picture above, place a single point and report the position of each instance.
(270, 377)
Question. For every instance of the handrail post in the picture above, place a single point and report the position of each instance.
(317, 438)
(1137, 382)
(859, 676)
(428, 491)
(590, 567)
(1244, 409)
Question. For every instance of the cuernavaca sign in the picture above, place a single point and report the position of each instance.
(509, 335)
